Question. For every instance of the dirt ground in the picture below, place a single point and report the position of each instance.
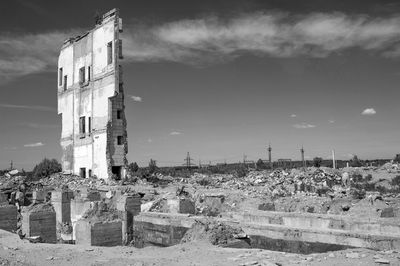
(14, 251)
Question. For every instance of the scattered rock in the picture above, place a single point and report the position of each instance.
(353, 255)
(382, 261)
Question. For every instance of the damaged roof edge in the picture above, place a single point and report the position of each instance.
(112, 13)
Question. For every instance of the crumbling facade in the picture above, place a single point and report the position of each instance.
(91, 101)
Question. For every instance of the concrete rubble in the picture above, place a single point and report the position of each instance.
(305, 211)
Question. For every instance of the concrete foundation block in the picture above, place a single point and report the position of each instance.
(8, 217)
(39, 196)
(181, 205)
(89, 194)
(3, 198)
(78, 207)
(97, 233)
(61, 201)
(39, 220)
(128, 207)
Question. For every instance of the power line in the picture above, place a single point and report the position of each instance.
(188, 161)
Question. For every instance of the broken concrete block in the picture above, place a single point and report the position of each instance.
(61, 201)
(8, 217)
(180, 205)
(3, 199)
(269, 206)
(39, 220)
(39, 196)
(89, 194)
(387, 212)
(128, 207)
(78, 207)
(98, 233)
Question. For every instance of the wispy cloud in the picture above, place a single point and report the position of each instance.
(23, 54)
(37, 144)
(136, 98)
(278, 34)
(175, 133)
(293, 115)
(149, 140)
(29, 107)
(303, 126)
(369, 111)
(211, 39)
(331, 121)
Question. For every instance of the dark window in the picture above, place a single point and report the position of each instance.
(60, 76)
(109, 53)
(89, 74)
(82, 172)
(82, 75)
(120, 49)
(119, 114)
(89, 124)
(90, 172)
(82, 125)
(116, 170)
(119, 140)
(65, 82)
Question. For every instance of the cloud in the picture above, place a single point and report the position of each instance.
(149, 140)
(24, 54)
(28, 107)
(331, 121)
(369, 111)
(136, 98)
(277, 34)
(37, 144)
(210, 40)
(175, 133)
(303, 126)
(293, 115)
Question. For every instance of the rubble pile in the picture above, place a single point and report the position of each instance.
(217, 233)
(11, 180)
(280, 182)
(71, 181)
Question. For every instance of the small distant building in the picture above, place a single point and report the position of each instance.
(91, 101)
(284, 162)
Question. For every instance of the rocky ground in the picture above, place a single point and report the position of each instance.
(369, 192)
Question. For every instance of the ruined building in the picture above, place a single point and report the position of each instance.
(91, 101)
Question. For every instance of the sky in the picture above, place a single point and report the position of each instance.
(219, 79)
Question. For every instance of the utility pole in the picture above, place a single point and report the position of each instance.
(333, 159)
(11, 165)
(269, 155)
(302, 156)
(188, 161)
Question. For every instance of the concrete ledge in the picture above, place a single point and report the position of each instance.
(382, 226)
(330, 236)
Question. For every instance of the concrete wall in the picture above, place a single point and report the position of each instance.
(8, 217)
(98, 233)
(61, 201)
(98, 99)
(78, 207)
(161, 229)
(128, 207)
(39, 223)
